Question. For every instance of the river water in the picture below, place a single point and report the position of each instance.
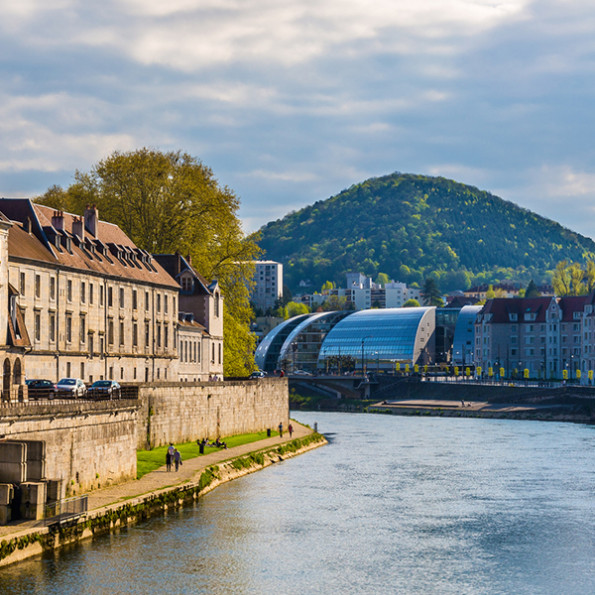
(393, 505)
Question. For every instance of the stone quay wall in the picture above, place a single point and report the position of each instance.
(88, 444)
(183, 412)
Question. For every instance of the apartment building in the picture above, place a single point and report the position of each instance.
(268, 284)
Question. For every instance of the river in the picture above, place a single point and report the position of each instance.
(392, 505)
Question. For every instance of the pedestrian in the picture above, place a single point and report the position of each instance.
(281, 430)
(167, 461)
(290, 430)
(177, 458)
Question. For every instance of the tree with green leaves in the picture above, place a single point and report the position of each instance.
(168, 202)
(411, 303)
(431, 293)
(570, 278)
(531, 291)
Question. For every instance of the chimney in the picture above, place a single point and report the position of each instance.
(78, 228)
(28, 225)
(189, 259)
(92, 219)
(58, 220)
(178, 264)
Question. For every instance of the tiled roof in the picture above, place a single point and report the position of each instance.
(501, 308)
(111, 252)
(176, 264)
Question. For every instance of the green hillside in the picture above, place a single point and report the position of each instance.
(409, 226)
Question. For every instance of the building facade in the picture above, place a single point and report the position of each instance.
(83, 300)
(268, 284)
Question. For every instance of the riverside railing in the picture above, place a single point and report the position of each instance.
(68, 509)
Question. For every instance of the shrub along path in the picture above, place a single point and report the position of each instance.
(189, 471)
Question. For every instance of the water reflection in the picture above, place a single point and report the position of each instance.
(392, 505)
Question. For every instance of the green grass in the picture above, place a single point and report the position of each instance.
(149, 460)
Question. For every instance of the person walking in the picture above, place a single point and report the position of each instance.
(290, 430)
(167, 461)
(177, 458)
(281, 430)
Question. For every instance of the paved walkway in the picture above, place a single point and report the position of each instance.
(189, 471)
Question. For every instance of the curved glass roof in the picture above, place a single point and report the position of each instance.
(302, 345)
(464, 338)
(381, 334)
(267, 352)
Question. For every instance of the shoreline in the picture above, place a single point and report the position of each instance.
(126, 510)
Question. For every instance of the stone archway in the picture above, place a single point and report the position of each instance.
(6, 380)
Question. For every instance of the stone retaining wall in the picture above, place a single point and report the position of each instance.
(181, 412)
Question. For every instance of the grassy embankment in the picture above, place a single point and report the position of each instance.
(149, 460)
(315, 402)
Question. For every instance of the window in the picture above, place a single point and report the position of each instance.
(217, 304)
(121, 297)
(121, 332)
(134, 299)
(22, 284)
(37, 326)
(83, 292)
(158, 302)
(101, 295)
(110, 331)
(69, 328)
(134, 334)
(147, 334)
(158, 334)
(147, 301)
(68, 369)
(52, 288)
(37, 286)
(90, 293)
(219, 352)
(52, 326)
(83, 370)
(166, 336)
(69, 290)
(110, 297)
(165, 304)
(83, 328)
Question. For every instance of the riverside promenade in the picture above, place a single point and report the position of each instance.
(158, 489)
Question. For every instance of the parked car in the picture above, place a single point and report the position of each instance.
(257, 374)
(301, 373)
(71, 387)
(40, 389)
(108, 389)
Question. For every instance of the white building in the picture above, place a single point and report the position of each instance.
(268, 287)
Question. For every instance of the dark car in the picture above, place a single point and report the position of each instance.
(107, 389)
(38, 388)
(257, 374)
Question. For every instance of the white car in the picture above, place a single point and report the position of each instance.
(71, 387)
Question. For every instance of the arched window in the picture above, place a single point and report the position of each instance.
(6, 381)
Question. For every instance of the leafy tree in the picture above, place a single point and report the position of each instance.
(170, 201)
(490, 293)
(531, 291)
(334, 302)
(293, 309)
(382, 279)
(411, 303)
(327, 286)
(431, 293)
(570, 278)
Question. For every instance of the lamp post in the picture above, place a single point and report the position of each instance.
(363, 355)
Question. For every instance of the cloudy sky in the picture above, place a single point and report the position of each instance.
(290, 102)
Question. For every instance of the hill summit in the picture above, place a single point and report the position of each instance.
(410, 226)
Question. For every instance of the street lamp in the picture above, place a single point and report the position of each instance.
(363, 355)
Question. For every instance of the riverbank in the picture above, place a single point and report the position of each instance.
(125, 504)
(545, 410)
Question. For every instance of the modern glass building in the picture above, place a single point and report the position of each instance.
(267, 353)
(379, 338)
(464, 337)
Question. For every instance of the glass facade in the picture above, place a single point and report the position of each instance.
(301, 348)
(464, 338)
(382, 337)
(267, 352)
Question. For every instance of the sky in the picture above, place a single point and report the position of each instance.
(290, 102)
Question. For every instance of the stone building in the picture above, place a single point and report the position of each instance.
(81, 300)
(200, 324)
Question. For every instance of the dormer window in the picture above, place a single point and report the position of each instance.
(577, 315)
(513, 317)
(530, 316)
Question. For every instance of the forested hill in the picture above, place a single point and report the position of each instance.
(408, 226)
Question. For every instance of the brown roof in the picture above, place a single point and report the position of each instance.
(572, 304)
(500, 308)
(110, 253)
